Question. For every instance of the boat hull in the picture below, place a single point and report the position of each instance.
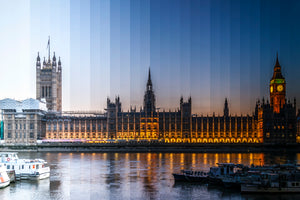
(40, 176)
(199, 179)
(179, 177)
(12, 175)
(261, 189)
(4, 184)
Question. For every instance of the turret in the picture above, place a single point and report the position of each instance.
(54, 60)
(226, 109)
(59, 64)
(38, 63)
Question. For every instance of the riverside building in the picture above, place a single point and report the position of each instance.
(28, 121)
(22, 122)
(272, 122)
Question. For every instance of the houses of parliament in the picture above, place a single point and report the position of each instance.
(271, 122)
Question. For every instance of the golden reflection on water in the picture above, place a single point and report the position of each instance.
(131, 175)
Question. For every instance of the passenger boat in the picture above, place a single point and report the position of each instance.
(4, 179)
(24, 168)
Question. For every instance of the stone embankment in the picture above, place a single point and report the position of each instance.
(150, 147)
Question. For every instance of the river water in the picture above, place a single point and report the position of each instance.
(134, 176)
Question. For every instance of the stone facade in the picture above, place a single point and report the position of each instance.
(23, 120)
(148, 124)
(272, 122)
(49, 82)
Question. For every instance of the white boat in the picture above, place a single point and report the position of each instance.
(25, 168)
(4, 179)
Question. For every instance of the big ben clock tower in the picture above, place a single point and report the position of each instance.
(277, 88)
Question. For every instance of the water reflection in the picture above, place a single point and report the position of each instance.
(133, 175)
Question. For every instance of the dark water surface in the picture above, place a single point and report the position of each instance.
(134, 176)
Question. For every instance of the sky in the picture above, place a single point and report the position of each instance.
(207, 49)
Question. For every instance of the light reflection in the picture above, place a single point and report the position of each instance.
(228, 158)
(171, 162)
(193, 160)
(131, 175)
(239, 158)
(182, 160)
(216, 158)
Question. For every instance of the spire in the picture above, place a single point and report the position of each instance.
(59, 63)
(226, 109)
(277, 70)
(54, 58)
(277, 62)
(38, 57)
(149, 83)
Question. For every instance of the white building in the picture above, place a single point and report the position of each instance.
(22, 121)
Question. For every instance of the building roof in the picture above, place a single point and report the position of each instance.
(19, 106)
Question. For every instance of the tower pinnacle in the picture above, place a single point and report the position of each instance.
(149, 82)
(277, 62)
(48, 46)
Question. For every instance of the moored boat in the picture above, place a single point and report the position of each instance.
(279, 182)
(4, 179)
(24, 168)
(191, 176)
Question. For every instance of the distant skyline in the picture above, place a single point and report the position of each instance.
(207, 49)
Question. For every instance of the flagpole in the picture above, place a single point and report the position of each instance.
(49, 49)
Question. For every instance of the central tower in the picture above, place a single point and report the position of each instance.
(149, 97)
(277, 88)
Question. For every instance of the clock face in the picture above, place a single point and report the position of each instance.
(271, 89)
(279, 88)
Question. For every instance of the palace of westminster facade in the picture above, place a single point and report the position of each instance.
(272, 122)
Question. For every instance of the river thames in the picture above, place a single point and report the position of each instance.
(135, 176)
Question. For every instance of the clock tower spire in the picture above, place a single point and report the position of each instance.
(277, 88)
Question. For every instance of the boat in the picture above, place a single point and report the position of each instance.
(4, 179)
(278, 182)
(180, 176)
(36, 169)
(227, 174)
(191, 176)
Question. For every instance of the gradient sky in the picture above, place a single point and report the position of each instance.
(209, 49)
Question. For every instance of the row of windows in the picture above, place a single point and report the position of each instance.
(19, 135)
(10, 116)
(20, 126)
(46, 91)
(76, 127)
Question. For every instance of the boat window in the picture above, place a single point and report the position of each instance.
(13, 167)
(297, 184)
(22, 166)
(29, 166)
(8, 167)
(293, 184)
(37, 166)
